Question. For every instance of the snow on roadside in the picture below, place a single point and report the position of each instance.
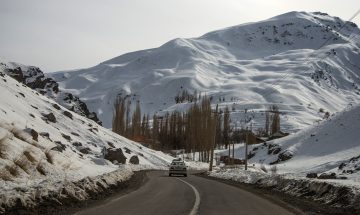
(332, 194)
(239, 174)
(329, 152)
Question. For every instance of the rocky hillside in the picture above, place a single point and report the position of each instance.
(34, 78)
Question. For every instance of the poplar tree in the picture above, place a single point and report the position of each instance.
(118, 123)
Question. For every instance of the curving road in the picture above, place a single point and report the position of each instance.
(191, 195)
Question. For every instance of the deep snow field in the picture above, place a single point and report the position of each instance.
(249, 66)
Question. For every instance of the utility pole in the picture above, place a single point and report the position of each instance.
(214, 122)
(246, 142)
(233, 152)
(212, 155)
(246, 149)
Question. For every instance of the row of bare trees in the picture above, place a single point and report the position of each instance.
(199, 129)
(127, 125)
(272, 120)
(196, 130)
(185, 96)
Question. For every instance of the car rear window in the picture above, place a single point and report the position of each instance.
(178, 163)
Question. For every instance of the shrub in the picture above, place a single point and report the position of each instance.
(273, 169)
(49, 156)
(13, 170)
(5, 175)
(23, 163)
(41, 168)
(3, 147)
(29, 156)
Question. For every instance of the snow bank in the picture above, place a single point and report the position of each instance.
(61, 192)
(332, 194)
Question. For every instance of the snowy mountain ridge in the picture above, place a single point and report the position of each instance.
(249, 66)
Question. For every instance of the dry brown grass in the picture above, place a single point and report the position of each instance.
(49, 156)
(2, 149)
(3, 146)
(13, 170)
(23, 163)
(29, 156)
(41, 168)
(5, 175)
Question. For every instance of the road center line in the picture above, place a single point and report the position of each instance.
(197, 198)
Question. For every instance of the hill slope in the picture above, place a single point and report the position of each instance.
(34, 78)
(274, 61)
(331, 146)
(44, 146)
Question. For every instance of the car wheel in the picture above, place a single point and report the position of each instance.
(169, 174)
(185, 175)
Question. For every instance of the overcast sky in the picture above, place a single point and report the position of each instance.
(70, 34)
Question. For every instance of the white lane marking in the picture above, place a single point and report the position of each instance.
(197, 198)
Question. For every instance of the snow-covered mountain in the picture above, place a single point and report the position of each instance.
(34, 78)
(332, 146)
(249, 66)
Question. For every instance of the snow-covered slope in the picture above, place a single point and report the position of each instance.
(34, 78)
(41, 141)
(275, 61)
(332, 146)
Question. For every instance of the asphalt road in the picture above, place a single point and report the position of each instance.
(163, 195)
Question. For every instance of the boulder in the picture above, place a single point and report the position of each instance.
(68, 114)
(85, 150)
(77, 144)
(59, 147)
(127, 150)
(327, 176)
(45, 134)
(34, 134)
(111, 145)
(285, 156)
(56, 106)
(311, 175)
(134, 159)
(50, 117)
(67, 137)
(115, 154)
